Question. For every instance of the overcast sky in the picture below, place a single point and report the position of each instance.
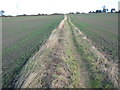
(14, 7)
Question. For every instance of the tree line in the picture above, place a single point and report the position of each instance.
(104, 10)
(2, 14)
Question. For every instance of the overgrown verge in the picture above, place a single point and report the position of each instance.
(71, 60)
(55, 65)
(98, 78)
(102, 30)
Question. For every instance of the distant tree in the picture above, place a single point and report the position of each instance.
(71, 13)
(2, 12)
(98, 11)
(39, 14)
(90, 12)
(117, 12)
(43, 14)
(77, 12)
(112, 10)
(107, 10)
(83, 13)
(8, 16)
(24, 15)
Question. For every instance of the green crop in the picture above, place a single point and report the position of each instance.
(22, 37)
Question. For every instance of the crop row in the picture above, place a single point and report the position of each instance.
(103, 38)
(89, 59)
(15, 56)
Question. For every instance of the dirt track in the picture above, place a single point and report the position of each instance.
(57, 64)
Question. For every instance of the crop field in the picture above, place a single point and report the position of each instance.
(70, 51)
(21, 38)
(102, 29)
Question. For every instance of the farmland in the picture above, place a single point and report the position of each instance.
(22, 36)
(102, 29)
(77, 51)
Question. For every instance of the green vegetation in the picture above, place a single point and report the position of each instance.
(97, 78)
(73, 65)
(22, 37)
(102, 29)
(86, 66)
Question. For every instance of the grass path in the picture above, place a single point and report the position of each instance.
(56, 64)
(60, 62)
